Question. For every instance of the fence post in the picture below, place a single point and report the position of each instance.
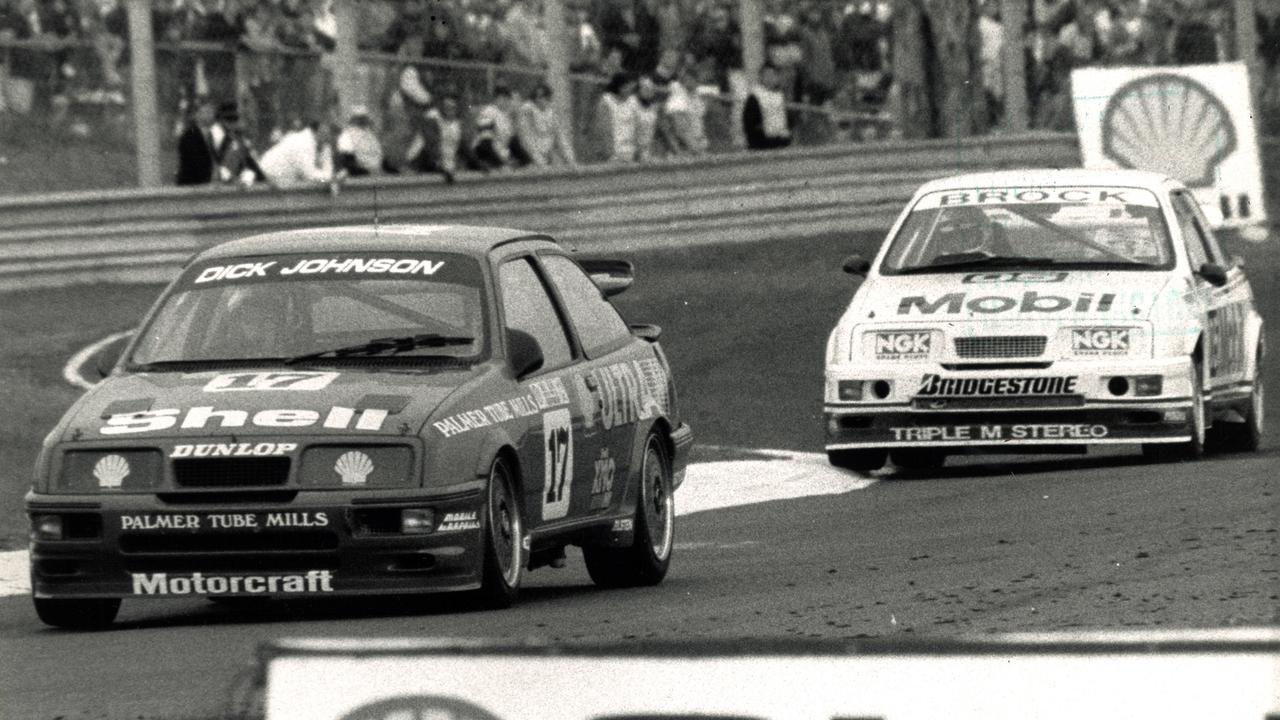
(751, 25)
(347, 59)
(146, 116)
(558, 64)
(1246, 42)
(1013, 16)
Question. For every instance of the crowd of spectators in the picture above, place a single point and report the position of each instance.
(659, 64)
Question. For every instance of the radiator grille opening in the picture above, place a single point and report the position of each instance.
(1001, 346)
(230, 472)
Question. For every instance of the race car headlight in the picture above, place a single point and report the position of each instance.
(1104, 341)
(895, 345)
(356, 466)
(92, 471)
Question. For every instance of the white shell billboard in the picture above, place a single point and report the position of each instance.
(1193, 123)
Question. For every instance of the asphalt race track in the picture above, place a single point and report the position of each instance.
(1025, 543)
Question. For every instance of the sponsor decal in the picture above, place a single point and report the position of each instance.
(224, 521)
(623, 393)
(353, 467)
(541, 395)
(1100, 341)
(1000, 433)
(602, 482)
(624, 525)
(557, 456)
(321, 266)
(197, 418)
(1031, 195)
(1030, 303)
(111, 471)
(459, 521)
(232, 449)
(232, 382)
(1013, 277)
(933, 385)
(313, 581)
(903, 345)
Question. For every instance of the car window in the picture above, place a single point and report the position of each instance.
(528, 308)
(1206, 230)
(1197, 251)
(599, 326)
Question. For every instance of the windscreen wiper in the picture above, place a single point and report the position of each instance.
(977, 259)
(378, 346)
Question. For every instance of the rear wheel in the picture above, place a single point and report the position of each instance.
(504, 550)
(77, 614)
(647, 560)
(1193, 448)
(918, 458)
(861, 459)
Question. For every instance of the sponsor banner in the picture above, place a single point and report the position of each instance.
(432, 267)
(159, 522)
(933, 385)
(602, 483)
(541, 395)
(264, 449)
(166, 584)
(1194, 123)
(906, 345)
(1000, 432)
(232, 382)
(1028, 303)
(1101, 341)
(624, 525)
(206, 416)
(622, 393)
(1019, 276)
(1087, 195)
(459, 521)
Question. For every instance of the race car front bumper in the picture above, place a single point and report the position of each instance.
(317, 544)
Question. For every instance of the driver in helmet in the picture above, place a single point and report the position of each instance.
(968, 231)
(255, 321)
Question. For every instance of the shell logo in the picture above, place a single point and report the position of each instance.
(353, 467)
(111, 471)
(1171, 124)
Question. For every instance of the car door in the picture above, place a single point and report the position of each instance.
(1225, 308)
(608, 384)
(556, 456)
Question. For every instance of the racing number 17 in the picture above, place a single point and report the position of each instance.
(557, 456)
(558, 452)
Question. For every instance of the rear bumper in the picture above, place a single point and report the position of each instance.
(848, 428)
(318, 544)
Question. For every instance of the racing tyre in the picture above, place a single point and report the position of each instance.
(1194, 448)
(504, 559)
(864, 460)
(1245, 436)
(77, 614)
(647, 560)
(918, 458)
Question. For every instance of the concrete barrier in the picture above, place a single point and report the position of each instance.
(145, 235)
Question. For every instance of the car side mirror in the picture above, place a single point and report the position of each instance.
(105, 360)
(524, 353)
(613, 277)
(856, 265)
(1213, 273)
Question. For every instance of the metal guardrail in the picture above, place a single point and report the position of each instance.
(145, 235)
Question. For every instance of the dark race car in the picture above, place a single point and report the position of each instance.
(364, 410)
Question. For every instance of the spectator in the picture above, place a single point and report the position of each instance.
(672, 34)
(667, 70)
(237, 160)
(817, 69)
(301, 157)
(615, 119)
(541, 133)
(585, 50)
(442, 155)
(620, 34)
(716, 37)
(495, 132)
(858, 46)
(197, 154)
(764, 118)
(526, 43)
(991, 56)
(359, 150)
(645, 110)
(783, 45)
(685, 117)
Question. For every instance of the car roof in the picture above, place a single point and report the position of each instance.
(1050, 177)
(466, 239)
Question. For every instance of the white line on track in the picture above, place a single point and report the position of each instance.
(774, 475)
(71, 371)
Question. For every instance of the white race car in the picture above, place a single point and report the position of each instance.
(1045, 310)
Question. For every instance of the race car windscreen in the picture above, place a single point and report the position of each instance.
(1110, 228)
(320, 307)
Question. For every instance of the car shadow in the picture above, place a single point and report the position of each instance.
(1050, 463)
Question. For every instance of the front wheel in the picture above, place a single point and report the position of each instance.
(1192, 449)
(861, 459)
(1245, 436)
(503, 547)
(77, 614)
(647, 560)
